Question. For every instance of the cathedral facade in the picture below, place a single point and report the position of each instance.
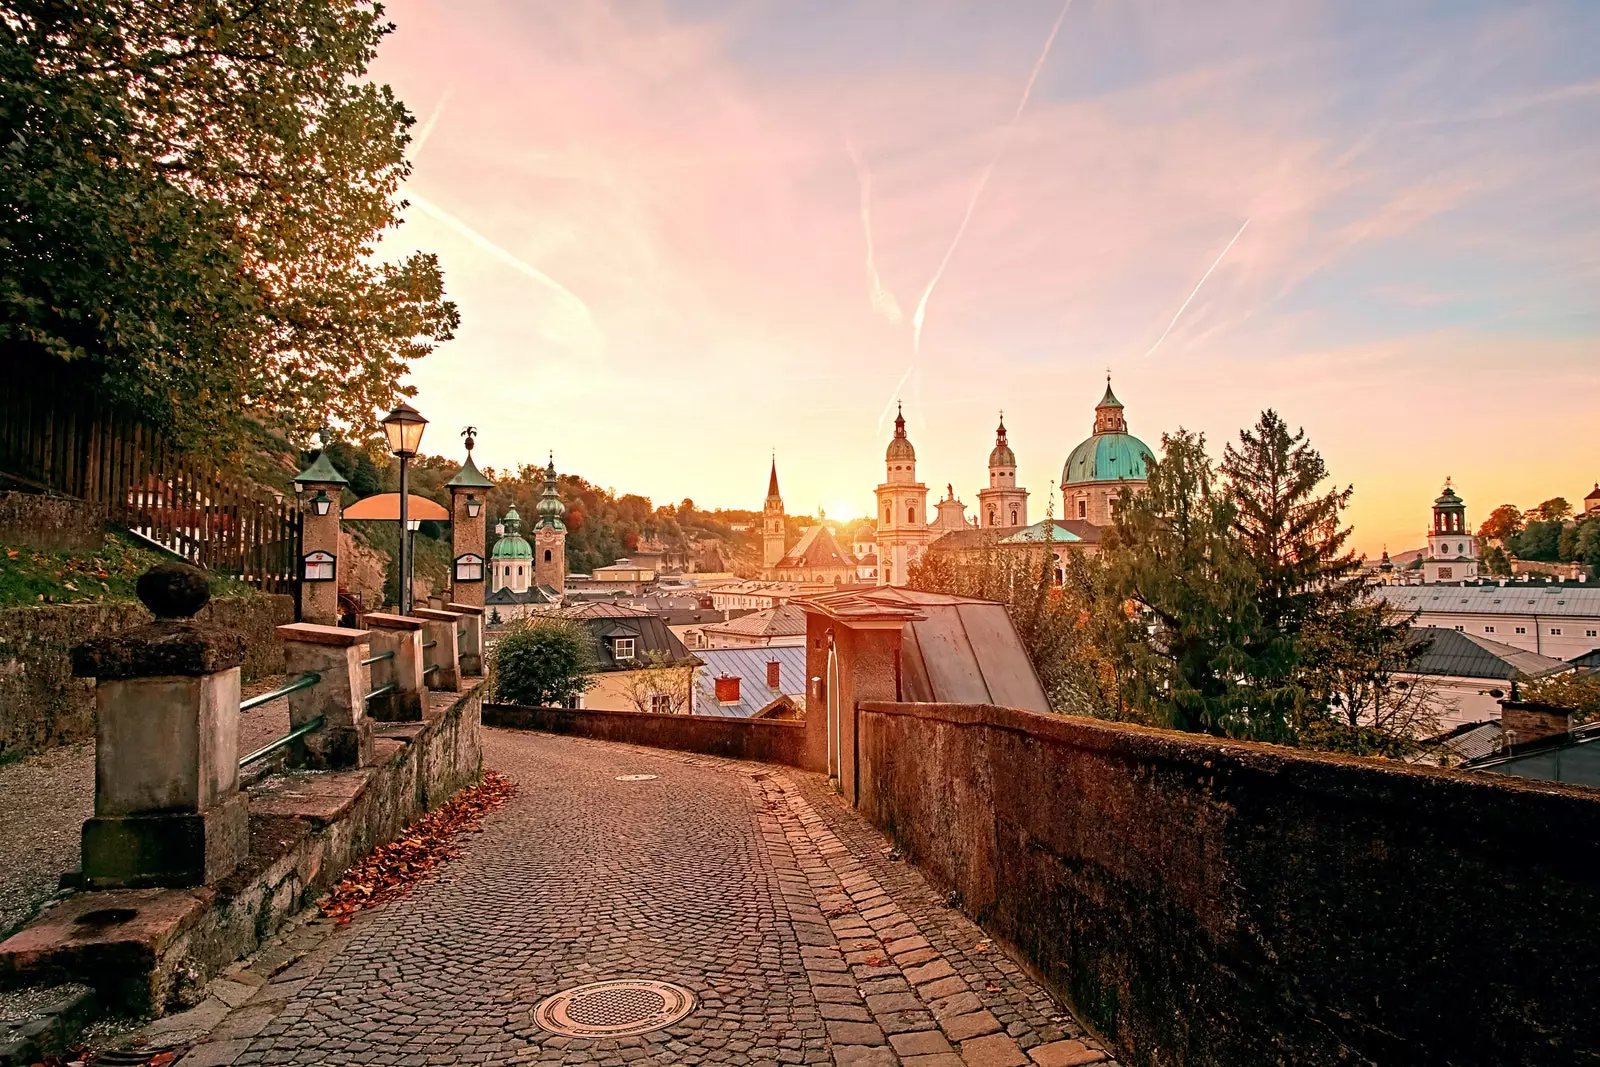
(903, 529)
(816, 559)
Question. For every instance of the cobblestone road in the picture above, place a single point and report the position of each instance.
(801, 935)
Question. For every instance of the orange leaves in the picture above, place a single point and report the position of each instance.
(391, 869)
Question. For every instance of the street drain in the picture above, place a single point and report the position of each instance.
(614, 1009)
(636, 777)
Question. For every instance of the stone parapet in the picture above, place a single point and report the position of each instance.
(765, 740)
(441, 654)
(402, 636)
(339, 698)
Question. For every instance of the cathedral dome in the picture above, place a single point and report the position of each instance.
(511, 544)
(1108, 457)
(900, 447)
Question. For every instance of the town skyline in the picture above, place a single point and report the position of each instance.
(661, 225)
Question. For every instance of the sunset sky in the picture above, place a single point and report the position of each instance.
(655, 219)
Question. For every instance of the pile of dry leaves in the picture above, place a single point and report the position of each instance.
(391, 869)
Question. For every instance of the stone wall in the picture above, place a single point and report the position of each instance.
(41, 704)
(1212, 903)
(764, 740)
(51, 523)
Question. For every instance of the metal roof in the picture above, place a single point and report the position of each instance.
(1450, 653)
(785, 620)
(749, 665)
(1513, 598)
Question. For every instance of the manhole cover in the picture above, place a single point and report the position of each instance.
(636, 777)
(614, 1009)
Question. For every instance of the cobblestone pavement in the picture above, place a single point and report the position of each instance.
(45, 798)
(802, 937)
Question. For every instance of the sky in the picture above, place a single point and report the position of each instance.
(685, 235)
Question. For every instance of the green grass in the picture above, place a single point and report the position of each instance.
(29, 576)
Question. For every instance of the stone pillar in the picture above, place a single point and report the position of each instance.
(471, 632)
(468, 547)
(402, 635)
(167, 806)
(339, 697)
(320, 566)
(442, 657)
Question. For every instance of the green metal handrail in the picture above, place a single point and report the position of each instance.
(282, 742)
(305, 681)
(379, 658)
(430, 670)
(429, 644)
(382, 689)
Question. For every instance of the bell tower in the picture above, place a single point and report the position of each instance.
(772, 539)
(550, 535)
(1002, 503)
(902, 509)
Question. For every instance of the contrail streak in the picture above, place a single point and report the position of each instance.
(575, 323)
(883, 301)
(1202, 282)
(983, 180)
(427, 127)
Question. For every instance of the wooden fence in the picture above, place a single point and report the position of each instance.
(84, 449)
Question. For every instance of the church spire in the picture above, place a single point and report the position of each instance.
(772, 482)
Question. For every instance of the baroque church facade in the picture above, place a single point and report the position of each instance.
(524, 576)
(816, 558)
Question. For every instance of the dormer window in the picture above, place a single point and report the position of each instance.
(622, 648)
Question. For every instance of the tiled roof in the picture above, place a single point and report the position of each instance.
(535, 595)
(605, 610)
(1589, 660)
(785, 620)
(1453, 654)
(1472, 741)
(1513, 598)
(749, 665)
(817, 549)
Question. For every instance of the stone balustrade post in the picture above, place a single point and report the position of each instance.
(471, 629)
(321, 488)
(441, 659)
(339, 697)
(167, 806)
(402, 635)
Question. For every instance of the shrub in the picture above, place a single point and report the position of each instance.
(542, 661)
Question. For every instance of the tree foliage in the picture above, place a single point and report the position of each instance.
(543, 661)
(190, 199)
(1503, 522)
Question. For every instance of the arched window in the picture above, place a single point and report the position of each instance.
(1013, 516)
(886, 516)
(991, 515)
(1083, 509)
(911, 513)
(519, 570)
(547, 555)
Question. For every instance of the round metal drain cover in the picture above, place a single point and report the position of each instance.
(614, 1009)
(636, 777)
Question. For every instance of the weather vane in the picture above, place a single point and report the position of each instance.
(470, 433)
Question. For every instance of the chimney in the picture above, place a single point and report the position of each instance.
(774, 674)
(1525, 722)
(728, 689)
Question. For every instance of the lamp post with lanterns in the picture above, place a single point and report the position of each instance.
(403, 428)
(468, 491)
(322, 487)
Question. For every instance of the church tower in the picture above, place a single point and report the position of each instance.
(772, 541)
(902, 509)
(1002, 503)
(1452, 550)
(550, 535)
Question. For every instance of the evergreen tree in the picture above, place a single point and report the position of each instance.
(1174, 554)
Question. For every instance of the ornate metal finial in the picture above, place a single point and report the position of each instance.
(1447, 481)
(471, 434)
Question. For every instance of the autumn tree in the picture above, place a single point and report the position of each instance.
(1503, 522)
(1365, 697)
(1554, 510)
(191, 196)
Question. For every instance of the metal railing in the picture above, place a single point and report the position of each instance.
(379, 658)
(382, 689)
(283, 742)
(430, 644)
(305, 681)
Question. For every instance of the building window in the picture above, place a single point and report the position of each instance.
(911, 513)
(1488, 629)
(660, 704)
(547, 555)
(1555, 631)
(1591, 633)
(1461, 629)
(1013, 516)
(1083, 509)
(622, 648)
(519, 570)
(1522, 629)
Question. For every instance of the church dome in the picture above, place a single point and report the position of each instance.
(1108, 457)
(900, 447)
(511, 544)
(1002, 456)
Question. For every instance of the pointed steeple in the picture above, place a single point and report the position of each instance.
(1108, 416)
(772, 482)
(551, 510)
(899, 421)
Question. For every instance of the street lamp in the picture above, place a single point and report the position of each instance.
(403, 427)
(412, 526)
(321, 502)
(474, 506)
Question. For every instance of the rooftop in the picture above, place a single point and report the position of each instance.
(1450, 653)
(749, 665)
(1513, 598)
(785, 620)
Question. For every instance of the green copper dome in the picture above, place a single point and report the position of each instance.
(551, 510)
(511, 544)
(1108, 457)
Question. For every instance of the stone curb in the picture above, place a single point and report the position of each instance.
(52, 1030)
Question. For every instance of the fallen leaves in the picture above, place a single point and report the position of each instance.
(391, 869)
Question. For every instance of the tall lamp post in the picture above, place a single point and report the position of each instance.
(403, 428)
